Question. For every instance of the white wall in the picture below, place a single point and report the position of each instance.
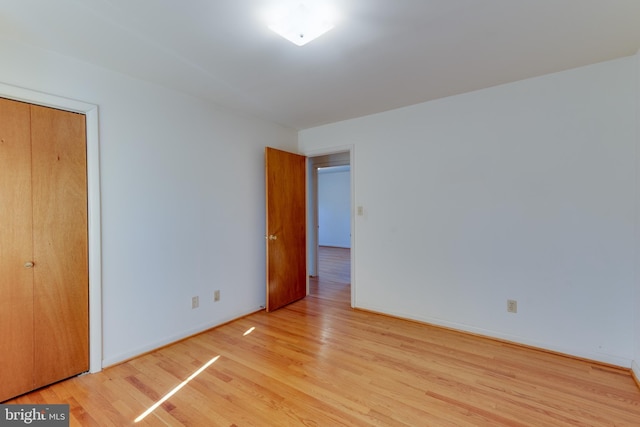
(636, 363)
(182, 200)
(523, 191)
(334, 207)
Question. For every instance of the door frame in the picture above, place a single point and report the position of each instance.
(312, 209)
(90, 111)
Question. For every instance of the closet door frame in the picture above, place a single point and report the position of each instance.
(90, 111)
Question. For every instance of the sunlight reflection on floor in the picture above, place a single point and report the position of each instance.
(175, 390)
(182, 384)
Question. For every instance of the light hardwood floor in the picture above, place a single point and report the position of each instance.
(318, 362)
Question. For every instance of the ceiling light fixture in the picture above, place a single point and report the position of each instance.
(301, 21)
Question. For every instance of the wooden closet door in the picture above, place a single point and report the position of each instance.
(61, 272)
(16, 280)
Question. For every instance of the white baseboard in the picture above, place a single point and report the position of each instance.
(123, 357)
(570, 352)
(635, 370)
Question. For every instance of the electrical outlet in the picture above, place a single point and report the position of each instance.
(195, 302)
(216, 295)
(512, 306)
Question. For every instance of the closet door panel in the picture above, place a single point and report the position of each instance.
(16, 279)
(61, 321)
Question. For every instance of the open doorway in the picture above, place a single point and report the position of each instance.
(330, 222)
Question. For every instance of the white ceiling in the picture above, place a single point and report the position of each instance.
(383, 54)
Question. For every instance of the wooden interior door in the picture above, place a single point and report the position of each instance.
(286, 242)
(16, 276)
(61, 272)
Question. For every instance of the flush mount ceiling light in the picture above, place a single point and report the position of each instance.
(301, 21)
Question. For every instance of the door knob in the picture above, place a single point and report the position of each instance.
(28, 264)
(273, 237)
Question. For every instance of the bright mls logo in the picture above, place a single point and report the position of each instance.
(34, 415)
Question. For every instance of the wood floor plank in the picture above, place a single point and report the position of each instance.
(317, 362)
